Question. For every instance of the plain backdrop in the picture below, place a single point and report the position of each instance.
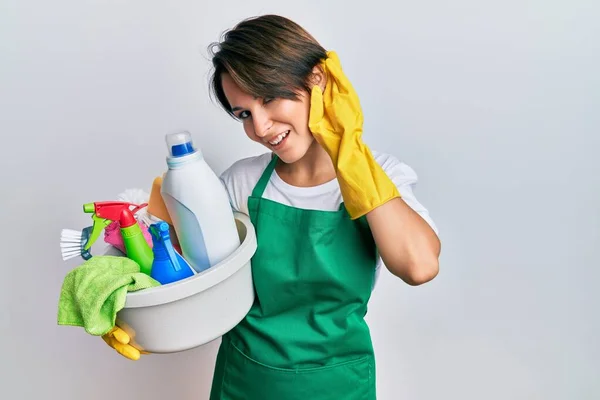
(493, 103)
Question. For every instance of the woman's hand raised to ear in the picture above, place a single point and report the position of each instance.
(336, 121)
(408, 245)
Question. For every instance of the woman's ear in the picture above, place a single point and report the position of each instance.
(318, 77)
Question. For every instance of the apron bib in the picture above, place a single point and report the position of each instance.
(304, 337)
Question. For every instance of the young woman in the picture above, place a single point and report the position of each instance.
(327, 212)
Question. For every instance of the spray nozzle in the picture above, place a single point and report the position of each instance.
(104, 212)
(162, 238)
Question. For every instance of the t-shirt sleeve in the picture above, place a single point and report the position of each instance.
(405, 179)
(240, 178)
(228, 183)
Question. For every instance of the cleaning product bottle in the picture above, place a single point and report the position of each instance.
(168, 265)
(137, 249)
(197, 204)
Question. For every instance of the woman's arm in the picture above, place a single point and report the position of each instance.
(407, 244)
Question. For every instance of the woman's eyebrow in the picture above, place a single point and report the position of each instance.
(234, 109)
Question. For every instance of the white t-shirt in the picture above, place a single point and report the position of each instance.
(241, 177)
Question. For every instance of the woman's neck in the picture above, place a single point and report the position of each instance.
(315, 168)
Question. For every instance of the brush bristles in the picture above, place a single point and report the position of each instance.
(70, 233)
(69, 240)
(68, 256)
(67, 253)
(70, 246)
(70, 243)
(135, 196)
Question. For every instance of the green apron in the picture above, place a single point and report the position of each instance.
(305, 336)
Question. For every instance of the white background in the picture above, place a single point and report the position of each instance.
(493, 103)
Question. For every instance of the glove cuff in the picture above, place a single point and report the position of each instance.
(363, 182)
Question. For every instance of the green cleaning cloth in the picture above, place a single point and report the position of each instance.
(93, 293)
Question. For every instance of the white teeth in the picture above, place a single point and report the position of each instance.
(279, 138)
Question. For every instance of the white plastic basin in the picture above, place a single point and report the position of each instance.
(197, 310)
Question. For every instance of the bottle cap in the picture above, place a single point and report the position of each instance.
(180, 144)
(127, 219)
(163, 227)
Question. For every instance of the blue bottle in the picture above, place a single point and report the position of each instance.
(168, 265)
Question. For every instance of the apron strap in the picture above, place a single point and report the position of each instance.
(261, 185)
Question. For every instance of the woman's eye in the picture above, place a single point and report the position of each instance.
(243, 115)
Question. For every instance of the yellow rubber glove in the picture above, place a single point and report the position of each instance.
(336, 121)
(118, 339)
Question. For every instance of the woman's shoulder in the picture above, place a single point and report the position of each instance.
(395, 168)
(405, 178)
(241, 177)
(247, 166)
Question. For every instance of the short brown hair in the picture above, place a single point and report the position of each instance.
(267, 56)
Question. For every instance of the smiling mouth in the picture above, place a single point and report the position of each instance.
(279, 138)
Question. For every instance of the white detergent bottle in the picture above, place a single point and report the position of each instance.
(198, 205)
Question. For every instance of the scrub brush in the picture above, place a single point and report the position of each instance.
(73, 242)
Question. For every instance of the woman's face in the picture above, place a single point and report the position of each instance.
(280, 125)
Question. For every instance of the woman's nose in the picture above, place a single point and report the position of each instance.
(262, 123)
